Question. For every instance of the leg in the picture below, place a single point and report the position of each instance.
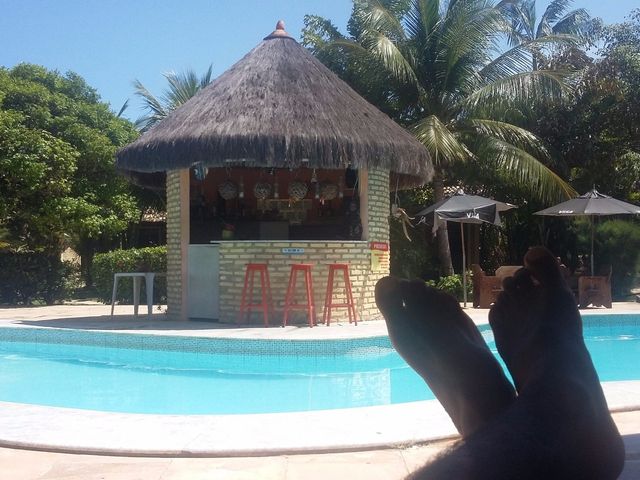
(113, 295)
(559, 427)
(437, 339)
(136, 294)
(148, 286)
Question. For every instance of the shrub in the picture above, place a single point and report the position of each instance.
(29, 277)
(618, 245)
(148, 259)
(452, 284)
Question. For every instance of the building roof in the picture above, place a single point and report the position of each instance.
(278, 106)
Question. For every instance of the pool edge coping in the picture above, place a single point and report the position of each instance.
(110, 433)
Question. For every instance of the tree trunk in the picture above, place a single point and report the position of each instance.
(442, 236)
(86, 250)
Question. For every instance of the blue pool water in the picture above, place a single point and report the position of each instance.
(169, 375)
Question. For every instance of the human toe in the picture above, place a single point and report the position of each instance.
(544, 267)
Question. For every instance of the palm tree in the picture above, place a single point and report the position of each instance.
(556, 27)
(181, 88)
(444, 76)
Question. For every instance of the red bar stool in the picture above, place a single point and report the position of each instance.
(247, 304)
(348, 294)
(290, 302)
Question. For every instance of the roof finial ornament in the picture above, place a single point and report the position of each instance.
(279, 32)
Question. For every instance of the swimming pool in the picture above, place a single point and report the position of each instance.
(179, 375)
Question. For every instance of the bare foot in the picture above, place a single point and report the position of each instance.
(432, 333)
(538, 332)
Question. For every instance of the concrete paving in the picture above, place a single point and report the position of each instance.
(181, 438)
(383, 464)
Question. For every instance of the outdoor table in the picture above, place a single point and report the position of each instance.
(149, 278)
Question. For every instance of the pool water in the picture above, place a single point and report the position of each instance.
(240, 377)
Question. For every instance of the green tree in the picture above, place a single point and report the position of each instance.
(36, 169)
(557, 27)
(57, 150)
(181, 88)
(597, 133)
(439, 68)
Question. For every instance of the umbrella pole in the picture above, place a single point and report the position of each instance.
(464, 266)
(593, 272)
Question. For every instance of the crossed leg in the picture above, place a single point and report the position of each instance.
(558, 426)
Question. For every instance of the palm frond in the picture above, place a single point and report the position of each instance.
(518, 58)
(154, 107)
(519, 166)
(206, 78)
(318, 32)
(422, 19)
(527, 87)
(469, 37)
(513, 61)
(575, 22)
(442, 143)
(470, 29)
(553, 13)
(375, 17)
(512, 134)
(522, 15)
(124, 107)
(384, 51)
(181, 88)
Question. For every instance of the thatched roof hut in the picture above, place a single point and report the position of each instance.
(278, 107)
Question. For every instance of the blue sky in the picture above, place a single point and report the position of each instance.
(112, 42)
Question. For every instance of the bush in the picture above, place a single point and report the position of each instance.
(618, 245)
(29, 277)
(149, 259)
(452, 284)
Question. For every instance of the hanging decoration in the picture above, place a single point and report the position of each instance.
(341, 187)
(297, 190)
(276, 187)
(228, 189)
(351, 177)
(328, 191)
(241, 188)
(314, 176)
(262, 190)
(401, 214)
(200, 171)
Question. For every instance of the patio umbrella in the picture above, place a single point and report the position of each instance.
(591, 204)
(464, 208)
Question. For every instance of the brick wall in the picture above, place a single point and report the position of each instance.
(378, 205)
(174, 255)
(235, 255)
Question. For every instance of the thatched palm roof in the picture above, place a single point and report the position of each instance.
(278, 107)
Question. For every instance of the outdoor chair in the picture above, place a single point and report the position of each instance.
(595, 290)
(487, 287)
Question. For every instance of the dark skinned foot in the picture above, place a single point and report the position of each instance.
(538, 332)
(438, 340)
